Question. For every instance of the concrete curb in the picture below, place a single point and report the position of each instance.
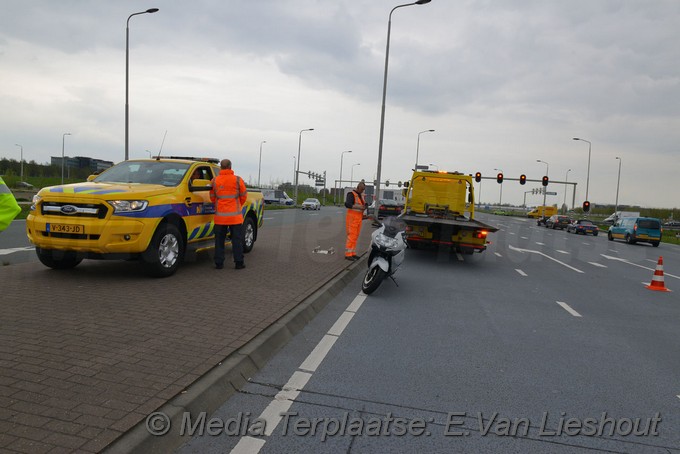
(211, 390)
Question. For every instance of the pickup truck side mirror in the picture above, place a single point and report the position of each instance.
(199, 185)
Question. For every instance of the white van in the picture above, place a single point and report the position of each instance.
(276, 197)
(621, 214)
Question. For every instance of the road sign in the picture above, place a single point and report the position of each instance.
(550, 193)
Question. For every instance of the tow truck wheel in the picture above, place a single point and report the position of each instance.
(58, 260)
(165, 252)
(248, 234)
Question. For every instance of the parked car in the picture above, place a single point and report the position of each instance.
(673, 225)
(388, 207)
(633, 230)
(583, 226)
(557, 221)
(311, 204)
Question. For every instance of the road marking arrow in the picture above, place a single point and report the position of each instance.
(546, 256)
(635, 264)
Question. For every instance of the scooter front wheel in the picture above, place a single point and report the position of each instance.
(372, 280)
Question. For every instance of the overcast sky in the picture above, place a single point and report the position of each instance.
(503, 83)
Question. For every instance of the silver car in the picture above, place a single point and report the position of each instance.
(311, 204)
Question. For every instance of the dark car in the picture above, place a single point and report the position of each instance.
(387, 207)
(557, 221)
(583, 226)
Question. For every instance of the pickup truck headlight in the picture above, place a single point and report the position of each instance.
(128, 206)
(36, 200)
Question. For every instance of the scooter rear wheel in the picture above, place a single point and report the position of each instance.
(372, 280)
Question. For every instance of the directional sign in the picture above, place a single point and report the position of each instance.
(550, 193)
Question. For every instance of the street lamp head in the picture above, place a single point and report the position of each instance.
(430, 130)
(422, 2)
(575, 138)
(152, 10)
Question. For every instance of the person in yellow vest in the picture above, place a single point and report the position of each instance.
(9, 208)
(228, 194)
(356, 205)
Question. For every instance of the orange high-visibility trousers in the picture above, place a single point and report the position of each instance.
(353, 225)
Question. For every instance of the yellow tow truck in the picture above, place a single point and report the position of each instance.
(440, 210)
(155, 210)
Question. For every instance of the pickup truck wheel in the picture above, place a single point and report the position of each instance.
(655, 243)
(58, 260)
(629, 239)
(248, 235)
(165, 252)
(609, 236)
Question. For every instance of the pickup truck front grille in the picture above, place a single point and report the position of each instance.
(75, 210)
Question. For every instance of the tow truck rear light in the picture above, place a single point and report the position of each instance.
(481, 234)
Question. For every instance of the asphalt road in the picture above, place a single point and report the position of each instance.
(527, 347)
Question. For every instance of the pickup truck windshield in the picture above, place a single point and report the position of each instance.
(145, 172)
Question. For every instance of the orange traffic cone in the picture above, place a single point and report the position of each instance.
(657, 279)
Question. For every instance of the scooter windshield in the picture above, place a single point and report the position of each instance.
(393, 226)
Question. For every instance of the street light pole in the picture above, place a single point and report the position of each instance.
(618, 180)
(63, 138)
(297, 170)
(588, 175)
(127, 77)
(500, 201)
(547, 173)
(259, 166)
(384, 95)
(566, 180)
(418, 146)
(351, 175)
(21, 162)
(341, 156)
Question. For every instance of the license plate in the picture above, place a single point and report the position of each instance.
(66, 228)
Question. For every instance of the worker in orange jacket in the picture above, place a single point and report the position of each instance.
(356, 205)
(9, 208)
(228, 193)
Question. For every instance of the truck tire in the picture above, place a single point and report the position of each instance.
(609, 236)
(372, 280)
(629, 239)
(655, 243)
(58, 260)
(165, 252)
(248, 234)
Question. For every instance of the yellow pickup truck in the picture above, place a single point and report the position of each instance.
(154, 210)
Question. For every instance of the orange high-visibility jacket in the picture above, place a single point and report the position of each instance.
(228, 193)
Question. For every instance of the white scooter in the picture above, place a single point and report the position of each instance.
(388, 246)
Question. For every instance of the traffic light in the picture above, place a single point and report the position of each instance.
(545, 181)
(499, 177)
(478, 177)
(522, 179)
(586, 206)
(387, 183)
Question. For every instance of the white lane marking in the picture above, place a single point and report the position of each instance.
(566, 307)
(512, 233)
(598, 264)
(283, 401)
(546, 256)
(15, 249)
(562, 252)
(524, 238)
(522, 273)
(285, 398)
(319, 353)
(497, 254)
(459, 256)
(356, 304)
(341, 323)
(267, 219)
(639, 266)
(540, 244)
(650, 260)
(248, 445)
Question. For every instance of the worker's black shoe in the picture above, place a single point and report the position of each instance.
(219, 266)
(240, 265)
